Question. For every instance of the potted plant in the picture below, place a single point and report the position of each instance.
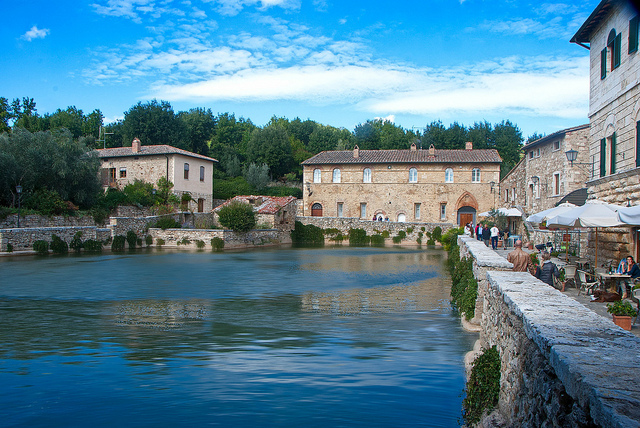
(622, 312)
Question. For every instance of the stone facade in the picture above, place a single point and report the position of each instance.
(277, 212)
(254, 238)
(123, 165)
(430, 186)
(34, 221)
(23, 238)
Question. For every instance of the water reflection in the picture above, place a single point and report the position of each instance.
(341, 337)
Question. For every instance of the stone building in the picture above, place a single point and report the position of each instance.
(544, 176)
(276, 212)
(189, 172)
(430, 186)
(611, 35)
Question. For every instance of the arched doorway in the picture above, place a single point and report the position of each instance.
(380, 216)
(316, 210)
(466, 215)
(402, 218)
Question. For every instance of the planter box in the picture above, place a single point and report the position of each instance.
(622, 321)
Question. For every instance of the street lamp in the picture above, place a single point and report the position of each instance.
(19, 192)
(572, 155)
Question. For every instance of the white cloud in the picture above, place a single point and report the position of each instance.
(35, 33)
(391, 118)
(233, 7)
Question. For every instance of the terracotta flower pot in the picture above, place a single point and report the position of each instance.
(622, 321)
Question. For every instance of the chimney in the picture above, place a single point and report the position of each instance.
(135, 145)
(469, 145)
(432, 150)
(413, 147)
(356, 152)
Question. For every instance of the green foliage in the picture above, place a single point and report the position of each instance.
(9, 248)
(621, 308)
(450, 238)
(257, 175)
(423, 229)
(420, 234)
(331, 231)
(184, 241)
(132, 239)
(358, 237)
(409, 230)
(159, 242)
(227, 189)
(140, 193)
(271, 146)
(396, 239)
(431, 241)
(437, 234)
(377, 240)
(92, 246)
(385, 234)
(334, 234)
(76, 242)
(41, 247)
(464, 286)
(148, 240)
(200, 244)
(217, 243)
(237, 216)
(402, 234)
(282, 191)
(47, 202)
(308, 235)
(534, 259)
(483, 387)
(154, 122)
(419, 240)
(498, 219)
(58, 245)
(118, 243)
(165, 223)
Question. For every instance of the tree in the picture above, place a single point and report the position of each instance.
(508, 139)
(271, 145)
(257, 175)
(5, 114)
(199, 125)
(367, 136)
(154, 123)
(237, 216)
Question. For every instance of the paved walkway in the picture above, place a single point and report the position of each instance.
(585, 300)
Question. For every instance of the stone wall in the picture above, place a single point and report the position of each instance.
(23, 238)
(11, 221)
(562, 364)
(231, 239)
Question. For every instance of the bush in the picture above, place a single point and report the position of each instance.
(76, 242)
(621, 308)
(148, 240)
(430, 241)
(483, 387)
(92, 246)
(283, 191)
(385, 234)
(420, 234)
(437, 234)
(237, 216)
(419, 240)
(358, 237)
(402, 234)
(9, 248)
(423, 228)
(450, 238)
(217, 243)
(132, 239)
(409, 230)
(200, 244)
(47, 202)
(159, 242)
(227, 189)
(377, 240)
(396, 239)
(165, 223)
(118, 243)
(41, 247)
(58, 246)
(184, 241)
(309, 234)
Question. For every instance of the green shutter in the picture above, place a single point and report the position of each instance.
(617, 48)
(612, 170)
(637, 144)
(603, 157)
(633, 34)
(603, 63)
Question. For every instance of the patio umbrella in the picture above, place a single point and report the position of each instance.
(551, 212)
(508, 212)
(630, 215)
(594, 214)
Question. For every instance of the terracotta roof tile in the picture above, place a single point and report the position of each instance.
(161, 149)
(269, 205)
(405, 156)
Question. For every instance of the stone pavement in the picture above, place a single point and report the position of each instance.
(585, 300)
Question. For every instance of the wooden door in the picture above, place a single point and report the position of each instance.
(316, 210)
(465, 218)
(200, 205)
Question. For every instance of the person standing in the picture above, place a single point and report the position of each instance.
(548, 270)
(521, 260)
(495, 233)
(486, 234)
(479, 232)
(467, 229)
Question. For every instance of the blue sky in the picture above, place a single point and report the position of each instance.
(337, 62)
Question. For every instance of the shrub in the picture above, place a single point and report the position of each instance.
(385, 234)
(159, 242)
(9, 248)
(76, 242)
(409, 230)
(92, 246)
(402, 234)
(430, 241)
(621, 308)
(263, 226)
(48, 202)
(308, 234)
(165, 223)
(423, 229)
(534, 259)
(483, 387)
(331, 231)
(396, 239)
(358, 237)
(217, 243)
(200, 244)
(419, 240)
(132, 239)
(450, 238)
(464, 287)
(283, 191)
(377, 240)
(148, 240)
(41, 247)
(437, 234)
(184, 241)
(420, 234)
(118, 243)
(339, 237)
(237, 216)
(58, 246)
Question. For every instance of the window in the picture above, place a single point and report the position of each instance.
(633, 35)
(608, 155)
(506, 195)
(603, 63)
(448, 175)
(363, 210)
(443, 211)
(366, 175)
(123, 172)
(475, 175)
(416, 210)
(612, 154)
(336, 175)
(402, 218)
(556, 145)
(603, 157)
(556, 184)
(531, 154)
(201, 173)
(513, 195)
(340, 209)
(317, 176)
(538, 152)
(112, 175)
(413, 175)
(186, 171)
(614, 46)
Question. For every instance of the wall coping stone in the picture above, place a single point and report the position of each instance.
(596, 361)
(484, 256)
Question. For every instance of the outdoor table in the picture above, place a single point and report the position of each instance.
(612, 277)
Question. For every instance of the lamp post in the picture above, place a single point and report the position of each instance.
(572, 155)
(19, 192)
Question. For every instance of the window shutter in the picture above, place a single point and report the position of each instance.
(613, 154)
(603, 157)
(633, 34)
(617, 47)
(603, 63)
(637, 143)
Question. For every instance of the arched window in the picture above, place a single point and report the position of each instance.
(448, 175)
(186, 171)
(402, 218)
(366, 175)
(614, 44)
(413, 175)
(336, 175)
(317, 176)
(475, 175)
(316, 210)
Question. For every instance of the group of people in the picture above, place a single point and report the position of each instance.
(484, 233)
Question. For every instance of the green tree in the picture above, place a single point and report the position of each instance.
(508, 139)
(71, 119)
(199, 125)
(154, 123)
(237, 216)
(5, 114)
(271, 145)
(257, 175)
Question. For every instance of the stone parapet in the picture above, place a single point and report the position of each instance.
(254, 238)
(23, 238)
(35, 221)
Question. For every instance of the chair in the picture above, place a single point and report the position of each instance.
(582, 283)
(570, 274)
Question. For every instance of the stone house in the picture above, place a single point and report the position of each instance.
(276, 212)
(415, 185)
(611, 35)
(189, 172)
(544, 176)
